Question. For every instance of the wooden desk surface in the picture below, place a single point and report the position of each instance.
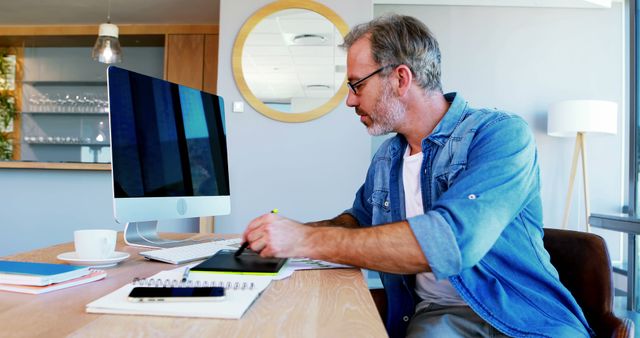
(317, 303)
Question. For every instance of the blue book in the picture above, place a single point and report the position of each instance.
(30, 273)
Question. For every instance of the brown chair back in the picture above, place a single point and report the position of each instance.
(583, 263)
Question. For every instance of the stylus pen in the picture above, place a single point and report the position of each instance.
(241, 249)
(185, 275)
(246, 244)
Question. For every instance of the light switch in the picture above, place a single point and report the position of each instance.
(238, 107)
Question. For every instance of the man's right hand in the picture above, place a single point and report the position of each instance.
(272, 235)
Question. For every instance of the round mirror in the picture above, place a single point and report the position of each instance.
(287, 62)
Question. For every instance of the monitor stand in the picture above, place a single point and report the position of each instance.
(145, 234)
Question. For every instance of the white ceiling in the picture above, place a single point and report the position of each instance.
(75, 12)
(68, 12)
(508, 3)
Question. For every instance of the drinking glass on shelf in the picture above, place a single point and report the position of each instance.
(101, 136)
(34, 102)
(104, 104)
(77, 104)
(57, 102)
(68, 103)
(90, 103)
(48, 103)
(43, 102)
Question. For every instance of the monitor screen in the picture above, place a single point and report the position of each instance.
(168, 149)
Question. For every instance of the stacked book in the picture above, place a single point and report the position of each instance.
(37, 278)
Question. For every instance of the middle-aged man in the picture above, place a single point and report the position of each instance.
(450, 210)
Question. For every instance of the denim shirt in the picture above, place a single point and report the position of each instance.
(482, 226)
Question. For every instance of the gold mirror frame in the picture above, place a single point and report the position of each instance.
(237, 60)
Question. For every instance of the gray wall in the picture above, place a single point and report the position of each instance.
(43, 207)
(524, 59)
(307, 170)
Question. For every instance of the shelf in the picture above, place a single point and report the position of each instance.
(64, 113)
(66, 83)
(55, 165)
(79, 144)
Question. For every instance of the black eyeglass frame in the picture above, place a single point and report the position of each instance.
(354, 86)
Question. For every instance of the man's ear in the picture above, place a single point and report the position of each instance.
(405, 78)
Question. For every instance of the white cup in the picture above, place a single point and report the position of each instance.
(94, 244)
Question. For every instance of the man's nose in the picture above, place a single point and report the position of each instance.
(352, 99)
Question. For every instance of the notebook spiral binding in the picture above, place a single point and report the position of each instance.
(174, 283)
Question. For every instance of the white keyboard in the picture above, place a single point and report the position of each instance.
(193, 252)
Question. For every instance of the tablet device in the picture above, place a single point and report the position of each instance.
(224, 261)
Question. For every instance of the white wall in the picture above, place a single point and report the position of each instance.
(308, 170)
(522, 60)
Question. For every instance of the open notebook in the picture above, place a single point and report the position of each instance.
(241, 292)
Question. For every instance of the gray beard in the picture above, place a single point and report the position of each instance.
(387, 113)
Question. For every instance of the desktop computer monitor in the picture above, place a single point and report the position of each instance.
(168, 154)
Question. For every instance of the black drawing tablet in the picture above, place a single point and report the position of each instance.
(247, 263)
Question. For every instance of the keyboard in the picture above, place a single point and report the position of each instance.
(189, 253)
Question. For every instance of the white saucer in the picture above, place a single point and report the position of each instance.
(72, 258)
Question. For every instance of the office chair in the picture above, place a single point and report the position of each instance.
(582, 260)
(583, 263)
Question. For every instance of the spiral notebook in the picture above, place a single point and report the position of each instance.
(241, 291)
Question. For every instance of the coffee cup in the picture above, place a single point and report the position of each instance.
(94, 244)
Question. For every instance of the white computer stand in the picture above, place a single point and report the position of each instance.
(145, 234)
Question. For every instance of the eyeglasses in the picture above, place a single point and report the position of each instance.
(354, 86)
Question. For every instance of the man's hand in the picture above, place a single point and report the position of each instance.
(272, 235)
(389, 248)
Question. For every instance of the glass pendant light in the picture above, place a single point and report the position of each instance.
(107, 47)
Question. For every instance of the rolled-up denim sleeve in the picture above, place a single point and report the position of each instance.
(500, 178)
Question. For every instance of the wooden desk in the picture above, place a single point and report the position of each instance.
(320, 303)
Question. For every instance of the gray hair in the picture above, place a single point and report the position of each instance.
(402, 40)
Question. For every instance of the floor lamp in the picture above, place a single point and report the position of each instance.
(578, 118)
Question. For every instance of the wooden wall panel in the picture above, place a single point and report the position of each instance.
(210, 76)
(184, 61)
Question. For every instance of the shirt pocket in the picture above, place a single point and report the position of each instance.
(445, 179)
(379, 200)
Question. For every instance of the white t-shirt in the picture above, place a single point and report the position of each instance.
(427, 287)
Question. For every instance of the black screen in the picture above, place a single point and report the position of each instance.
(167, 140)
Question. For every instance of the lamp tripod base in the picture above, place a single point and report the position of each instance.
(580, 148)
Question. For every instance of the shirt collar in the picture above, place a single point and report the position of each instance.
(449, 121)
(443, 130)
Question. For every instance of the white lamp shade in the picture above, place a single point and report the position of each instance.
(567, 118)
(108, 29)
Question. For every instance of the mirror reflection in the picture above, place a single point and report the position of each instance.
(292, 62)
